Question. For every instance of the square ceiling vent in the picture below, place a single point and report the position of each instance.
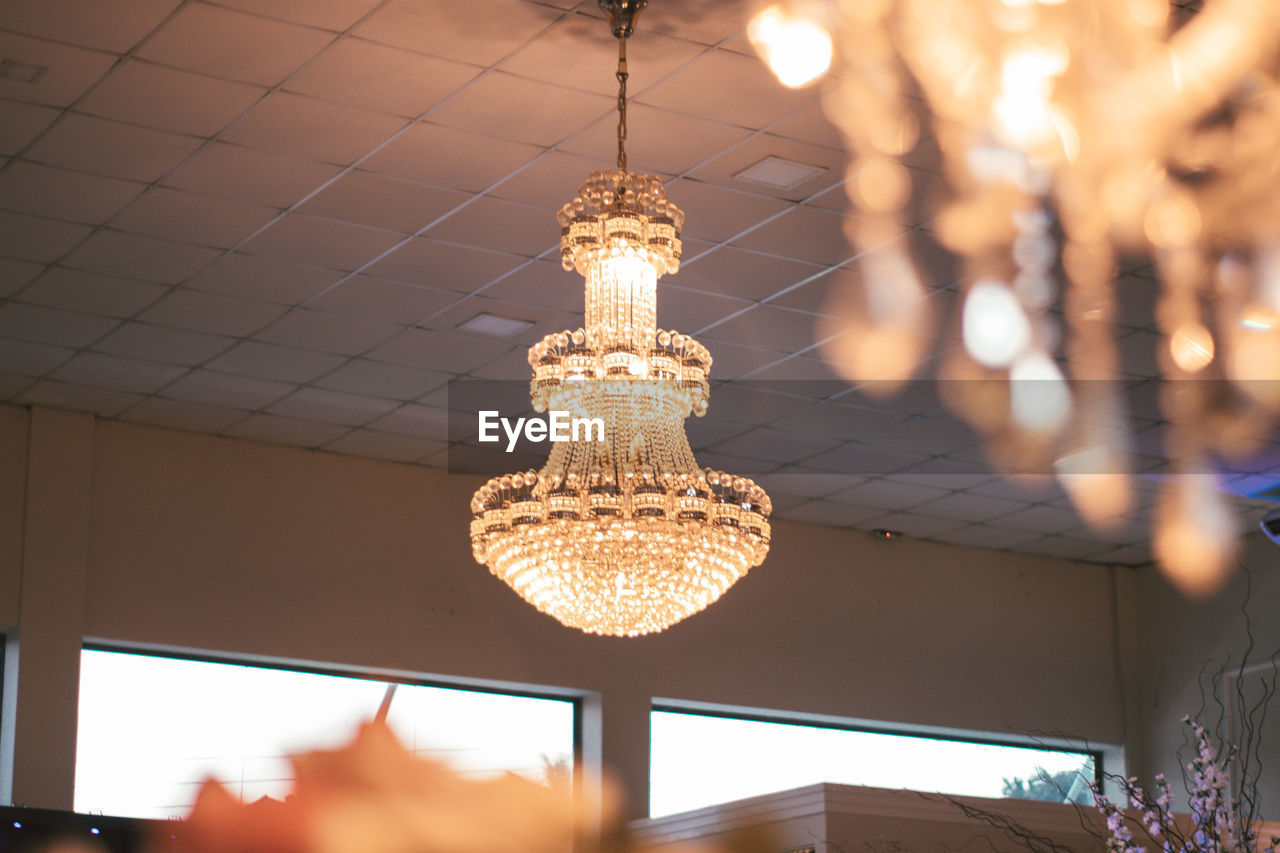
(779, 173)
(494, 326)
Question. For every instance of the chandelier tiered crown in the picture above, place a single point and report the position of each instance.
(624, 535)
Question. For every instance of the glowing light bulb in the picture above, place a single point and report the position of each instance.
(797, 50)
(995, 327)
(1191, 347)
(1195, 539)
(1096, 479)
(1039, 399)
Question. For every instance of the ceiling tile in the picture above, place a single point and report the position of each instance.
(765, 327)
(192, 218)
(1024, 487)
(513, 366)
(132, 256)
(27, 359)
(445, 157)
(1042, 518)
(225, 389)
(690, 310)
(335, 15)
(948, 474)
(917, 526)
(966, 506)
(111, 148)
(548, 182)
(501, 226)
(544, 283)
(183, 415)
(840, 421)
(744, 404)
(391, 203)
(374, 77)
(730, 361)
(805, 234)
(157, 343)
(1137, 353)
(63, 194)
(801, 376)
(123, 374)
(864, 461)
(313, 130)
(372, 444)
(723, 169)
(657, 140)
(809, 125)
(466, 32)
(311, 240)
(928, 434)
(439, 351)
(716, 214)
(443, 265)
(243, 174)
(51, 325)
(775, 445)
(265, 279)
(168, 99)
(379, 379)
(986, 536)
(199, 311)
(1067, 547)
(333, 333)
(755, 99)
(824, 294)
(544, 320)
(515, 108)
(745, 275)
(331, 407)
(31, 238)
(705, 431)
(378, 299)
(274, 429)
(267, 361)
(15, 275)
(807, 482)
(595, 56)
(888, 494)
(426, 422)
(21, 123)
(1136, 297)
(114, 27)
(70, 71)
(832, 514)
(1128, 555)
(223, 43)
(104, 402)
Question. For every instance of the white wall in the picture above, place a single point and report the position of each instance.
(1185, 644)
(237, 548)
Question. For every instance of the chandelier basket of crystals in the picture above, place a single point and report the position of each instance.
(621, 535)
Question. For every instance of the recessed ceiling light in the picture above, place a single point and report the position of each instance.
(495, 326)
(776, 172)
(11, 69)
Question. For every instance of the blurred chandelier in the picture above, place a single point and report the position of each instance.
(627, 535)
(1072, 132)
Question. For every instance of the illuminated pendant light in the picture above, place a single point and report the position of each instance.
(625, 535)
(1082, 131)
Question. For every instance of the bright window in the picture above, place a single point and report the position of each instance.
(152, 728)
(699, 760)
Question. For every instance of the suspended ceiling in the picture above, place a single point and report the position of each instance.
(268, 218)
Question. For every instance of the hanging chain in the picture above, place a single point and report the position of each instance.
(622, 103)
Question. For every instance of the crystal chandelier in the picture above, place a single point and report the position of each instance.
(1073, 133)
(625, 535)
